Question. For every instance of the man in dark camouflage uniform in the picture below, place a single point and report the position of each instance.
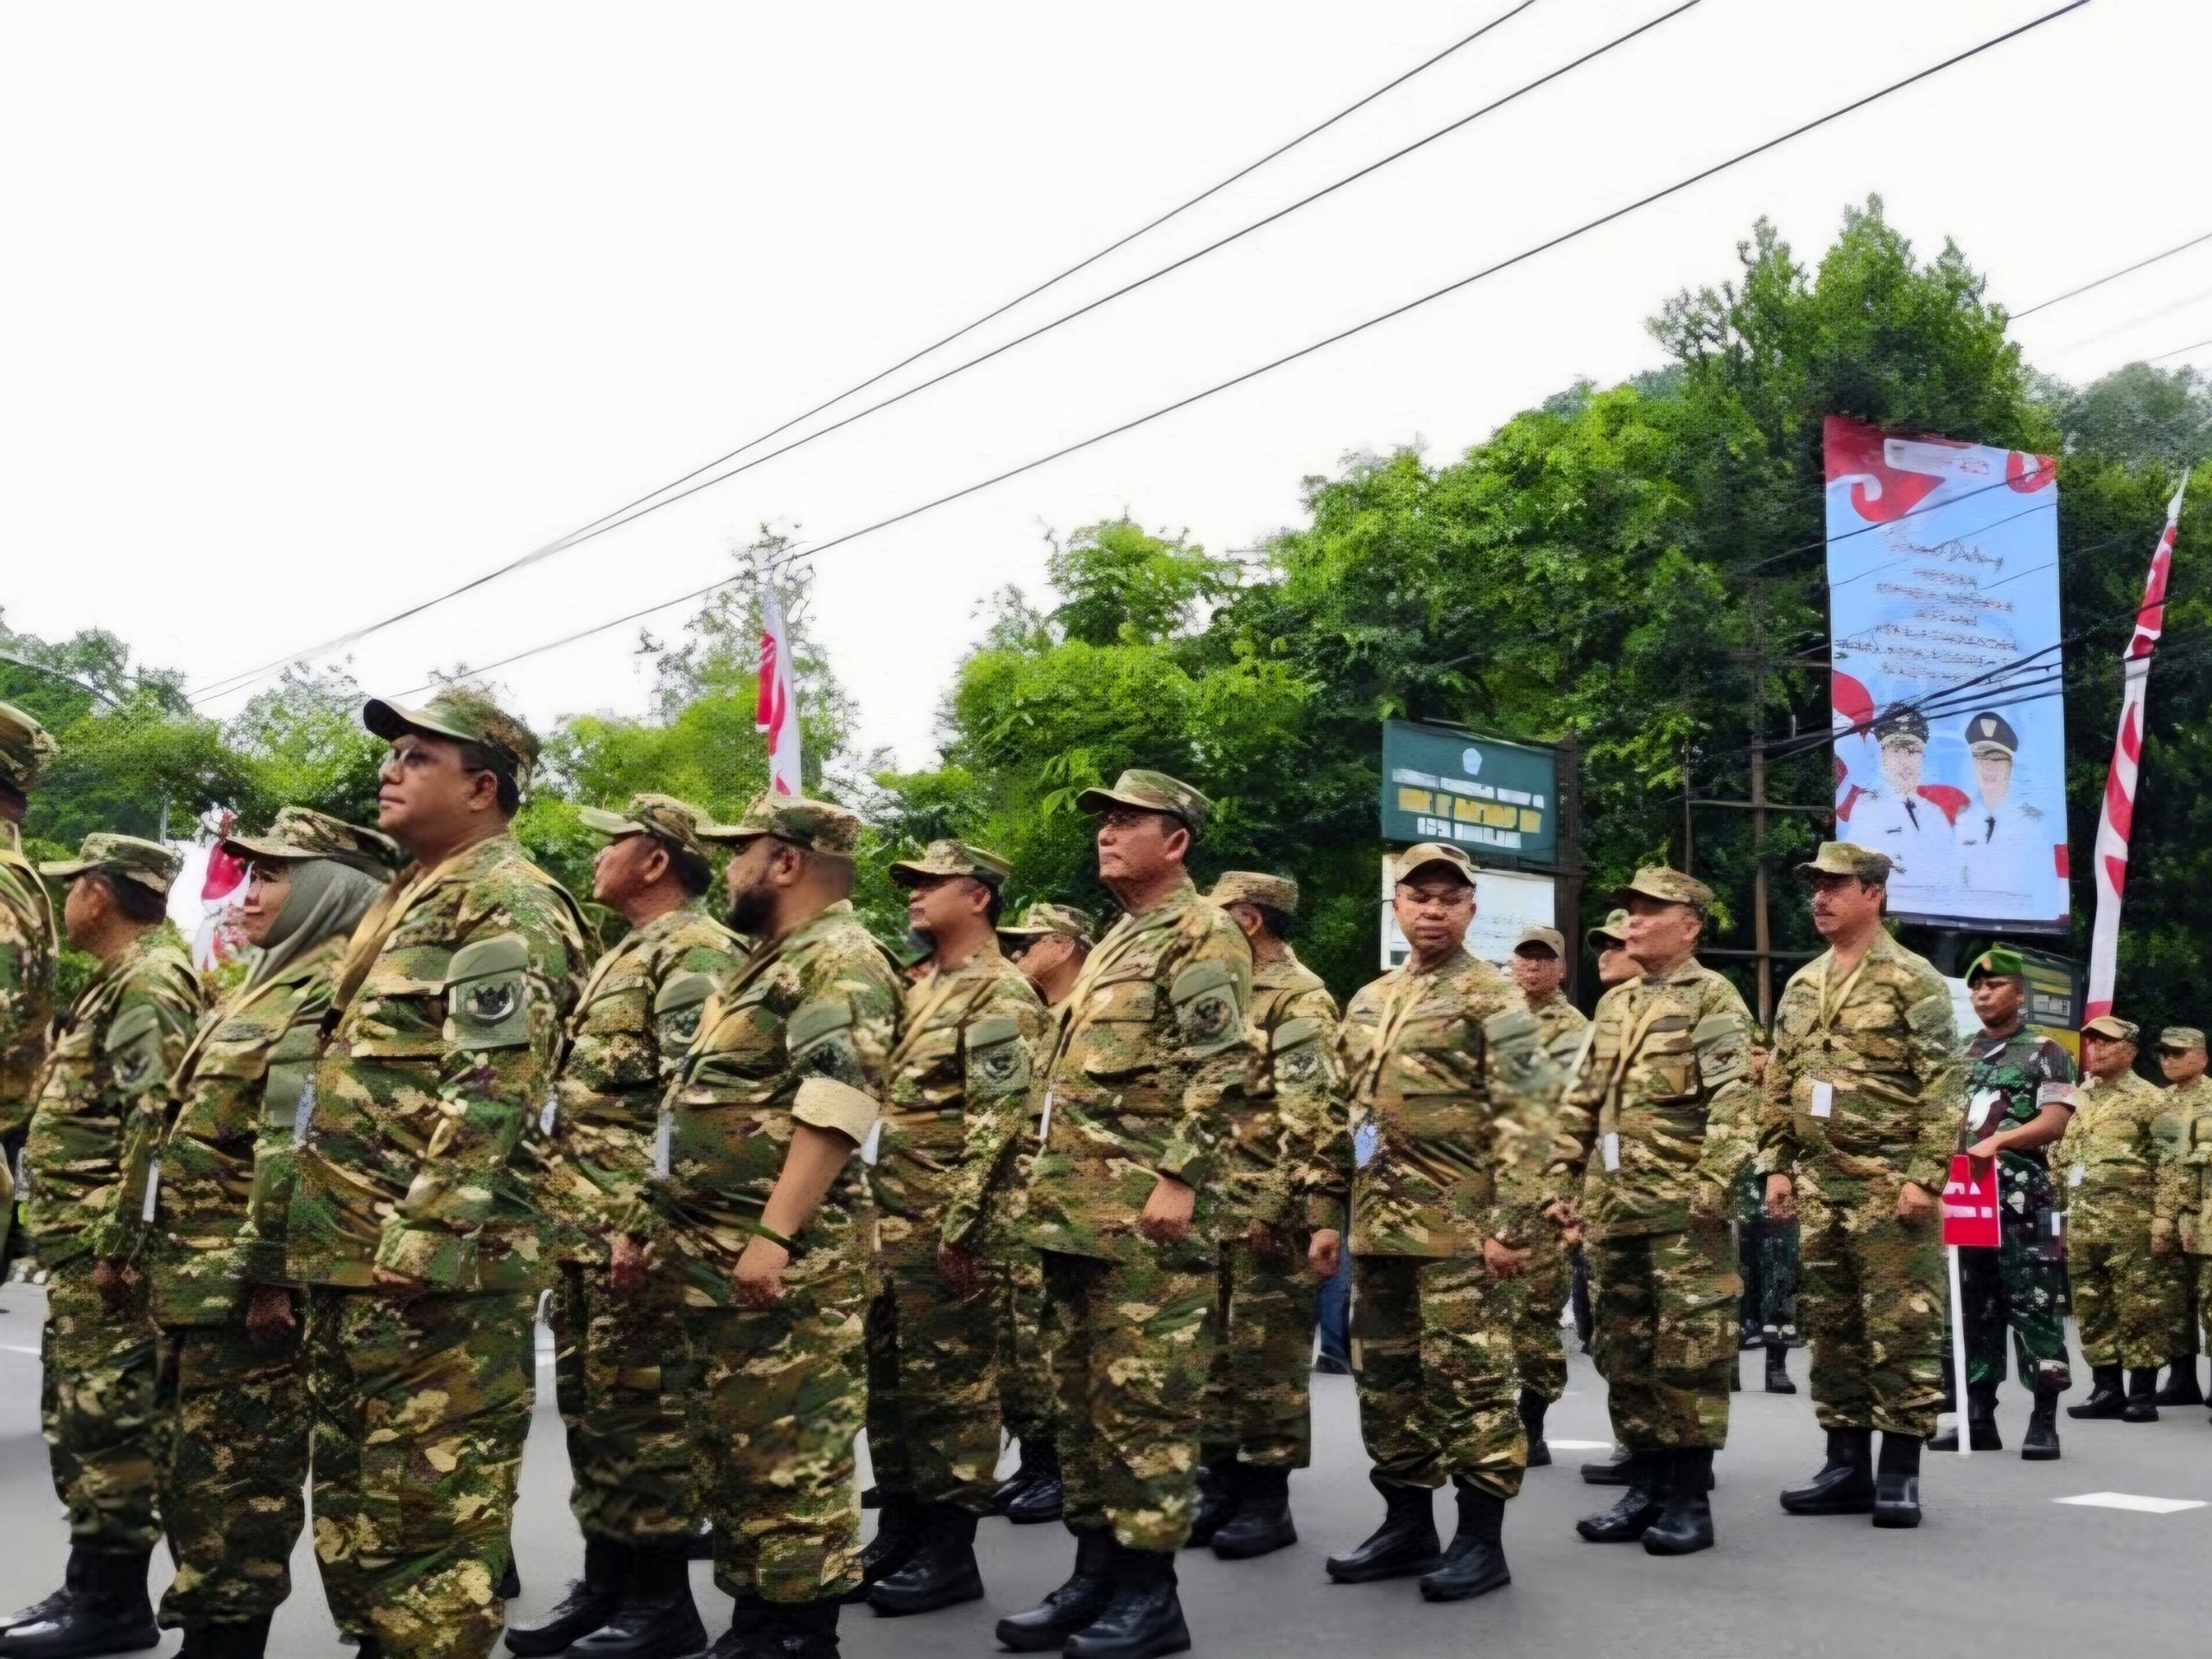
(1539, 968)
(2111, 1155)
(623, 1388)
(2182, 1058)
(2019, 1091)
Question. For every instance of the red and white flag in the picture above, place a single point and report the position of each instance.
(775, 711)
(2117, 821)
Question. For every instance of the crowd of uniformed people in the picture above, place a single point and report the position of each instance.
(774, 1182)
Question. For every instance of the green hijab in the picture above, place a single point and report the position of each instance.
(326, 898)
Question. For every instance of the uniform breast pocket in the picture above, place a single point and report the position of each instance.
(1667, 1069)
(401, 1013)
(1116, 1039)
(742, 1043)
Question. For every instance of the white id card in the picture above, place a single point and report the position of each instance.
(1610, 1150)
(1823, 1100)
(872, 1148)
(663, 1132)
(1045, 1119)
(302, 1112)
(547, 1113)
(153, 1191)
(2077, 1175)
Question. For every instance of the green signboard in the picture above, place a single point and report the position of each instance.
(1498, 800)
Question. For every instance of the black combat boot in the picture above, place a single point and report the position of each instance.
(1980, 1421)
(2142, 1405)
(941, 1572)
(2181, 1388)
(1616, 1470)
(1897, 1483)
(2041, 1444)
(73, 1579)
(1221, 1490)
(240, 1639)
(1639, 1506)
(898, 1536)
(1144, 1616)
(1533, 1407)
(1025, 1471)
(1039, 1501)
(1261, 1524)
(1685, 1524)
(2104, 1399)
(110, 1613)
(656, 1617)
(1777, 1366)
(1845, 1485)
(1046, 1627)
(1405, 1544)
(1474, 1562)
(591, 1601)
(802, 1630)
(752, 1633)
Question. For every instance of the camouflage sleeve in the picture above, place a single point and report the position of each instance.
(999, 1044)
(840, 1038)
(2174, 1177)
(26, 1004)
(1777, 1129)
(142, 1046)
(1519, 1077)
(1328, 1198)
(1723, 1041)
(1309, 1116)
(507, 991)
(261, 1240)
(1938, 1062)
(1208, 989)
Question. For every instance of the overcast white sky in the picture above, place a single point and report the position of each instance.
(312, 311)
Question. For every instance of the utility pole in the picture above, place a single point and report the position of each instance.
(1567, 892)
(1761, 940)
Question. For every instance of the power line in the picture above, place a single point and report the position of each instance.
(2177, 351)
(683, 488)
(1342, 334)
(2126, 323)
(2111, 277)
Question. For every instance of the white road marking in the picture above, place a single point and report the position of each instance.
(2134, 1501)
(1578, 1446)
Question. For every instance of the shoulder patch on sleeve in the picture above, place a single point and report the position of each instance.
(133, 1044)
(1204, 996)
(678, 1003)
(1723, 1047)
(487, 994)
(998, 1058)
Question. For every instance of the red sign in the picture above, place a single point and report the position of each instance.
(1970, 1205)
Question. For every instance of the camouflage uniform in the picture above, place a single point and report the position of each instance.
(1766, 1257)
(1256, 1406)
(1563, 1030)
(623, 1388)
(1143, 1067)
(2008, 1081)
(111, 1063)
(798, 1035)
(2111, 1161)
(2183, 1204)
(29, 946)
(1426, 1058)
(1656, 1126)
(2174, 1274)
(959, 1080)
(1863, 1094)
(437, 1058)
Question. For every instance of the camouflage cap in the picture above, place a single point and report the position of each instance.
(677, 823)
(147, 863)
(1255, 887)
(302, 832)
(1846, 858)
(1039, 920)
(466, 715)
(1610, 934)
(951, 858)
(1154, 791)
(817, 826)
(2181, 1038)
(1550, 937)
(1423, 854)
(1999, 962)
(1667, 887)
(27, 748)
(2112, 1028)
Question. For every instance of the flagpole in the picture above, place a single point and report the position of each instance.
(1959, 1353)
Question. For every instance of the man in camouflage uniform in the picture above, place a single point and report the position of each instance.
(29, 942)
(111, 1060)
(2019, 1091)
(1050, 945)
(2181, 1057)
(1862, 1099)
(1256, 1421)
(1539, 968)
(1655, 1126)
(2182, 1209)
(2111, 1158)
(415, 1221)
(1441, 1056)
(1615, 966)
(624, 1391)
(230, 1350)
(757, 1212)
(954, 1108)
(1135, 1091)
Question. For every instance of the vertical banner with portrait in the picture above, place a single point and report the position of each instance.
(1950, 727)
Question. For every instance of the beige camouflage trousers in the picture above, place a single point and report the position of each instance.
(1025, 1369)
(98, 1412)
(1258, 1396)
(2119, 1302)
(1432, 1345)
(1539, 1296)
(1870, 1294)
(625, 1376)
(1664, 1332)
(932, 1386)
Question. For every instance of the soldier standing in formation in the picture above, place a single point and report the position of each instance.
(2111, 1159)
(1257, 1424)
(1657, 1125)
(1861, 1104)
(2183, 1204)
(1136, 1092)
(2181, 1057)
(1446, 1210)
(1539, 967)
(111, 1062)
(2020, 1089)
(1615, 966)
(958, 1086)
(1766, 1256)
(29, 942)
(1050, 945)
(617, 1331)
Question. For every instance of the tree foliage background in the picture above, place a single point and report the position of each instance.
(1609, 565)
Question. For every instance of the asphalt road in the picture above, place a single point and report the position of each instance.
(1999, 1568)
